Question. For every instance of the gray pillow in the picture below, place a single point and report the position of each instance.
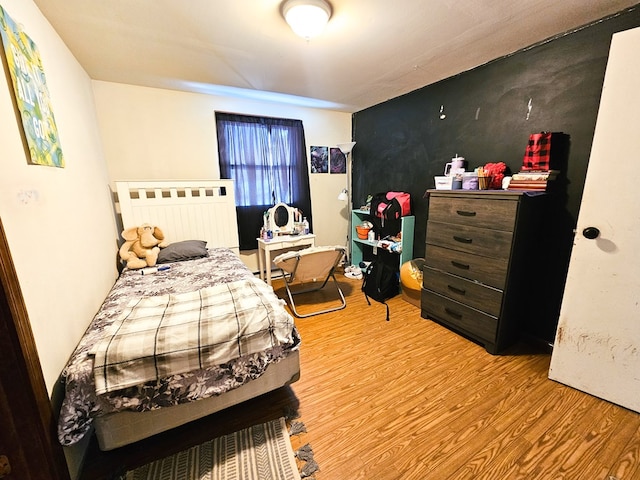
(185, 250)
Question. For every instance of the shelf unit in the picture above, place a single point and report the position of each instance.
(359, 246)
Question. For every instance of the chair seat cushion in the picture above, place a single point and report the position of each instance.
(305, 251)
(310, 264)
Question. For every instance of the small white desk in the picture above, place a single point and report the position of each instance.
(280, 242)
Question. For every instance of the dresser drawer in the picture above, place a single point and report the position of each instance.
(452, 313)
(490, 271)
(481, 297)
(492, 214)
(475, 240)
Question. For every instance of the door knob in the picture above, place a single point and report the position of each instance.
(591, 233)
(5, 468)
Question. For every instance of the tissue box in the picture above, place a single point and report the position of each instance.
(443, 183)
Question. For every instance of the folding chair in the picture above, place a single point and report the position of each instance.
(312, 265)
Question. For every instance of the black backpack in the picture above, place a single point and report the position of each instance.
(380, 283)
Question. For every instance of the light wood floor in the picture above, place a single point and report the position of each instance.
(409, 399)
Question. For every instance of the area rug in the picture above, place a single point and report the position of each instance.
(261, 452)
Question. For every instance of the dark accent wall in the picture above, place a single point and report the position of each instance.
(403, 143)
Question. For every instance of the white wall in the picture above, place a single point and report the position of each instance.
(60, 222)
(63, 240)
(160, 134)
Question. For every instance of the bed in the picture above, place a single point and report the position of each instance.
(205, 276)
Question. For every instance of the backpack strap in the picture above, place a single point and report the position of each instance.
(364, 282)
(385, 304)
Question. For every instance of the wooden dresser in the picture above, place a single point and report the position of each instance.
(480, 274)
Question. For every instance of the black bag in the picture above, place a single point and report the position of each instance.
(387, 210)
(380, 283)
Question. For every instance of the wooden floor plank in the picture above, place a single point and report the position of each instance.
(627, 464)
(409, 399)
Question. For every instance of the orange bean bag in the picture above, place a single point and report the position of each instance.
(411, 280)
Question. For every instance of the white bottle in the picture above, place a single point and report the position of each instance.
(305, 226)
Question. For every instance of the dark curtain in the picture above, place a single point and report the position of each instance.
(267, 159)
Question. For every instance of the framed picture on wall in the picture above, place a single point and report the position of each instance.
(319, 159)
(31, 94)
(337, 161)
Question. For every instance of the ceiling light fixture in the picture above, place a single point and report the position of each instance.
(307, 18)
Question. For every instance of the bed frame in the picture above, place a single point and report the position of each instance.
(118, 429)
(186, 210)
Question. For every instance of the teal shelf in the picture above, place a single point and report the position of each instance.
(359, 247)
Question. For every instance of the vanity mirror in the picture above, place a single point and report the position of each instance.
(281, 219)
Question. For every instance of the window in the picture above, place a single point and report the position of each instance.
(267, 159)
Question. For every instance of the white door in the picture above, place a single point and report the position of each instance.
(597, 347)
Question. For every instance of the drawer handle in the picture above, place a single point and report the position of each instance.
(452, 313)
(462, 239)
(466, 213)
(463, 266)
(459, 291)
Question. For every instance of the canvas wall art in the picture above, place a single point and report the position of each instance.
(31, 94)
(319, 159)
(337, 161)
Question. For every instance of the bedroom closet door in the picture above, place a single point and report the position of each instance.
(597, 347)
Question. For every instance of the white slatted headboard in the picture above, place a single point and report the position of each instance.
(183, 209)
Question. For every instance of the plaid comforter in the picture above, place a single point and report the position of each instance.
(171, 334)
(81, 403)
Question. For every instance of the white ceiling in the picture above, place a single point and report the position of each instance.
(371, 51)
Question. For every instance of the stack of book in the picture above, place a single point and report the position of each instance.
(532, 180)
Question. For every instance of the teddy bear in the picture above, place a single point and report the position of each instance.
(142, 246)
